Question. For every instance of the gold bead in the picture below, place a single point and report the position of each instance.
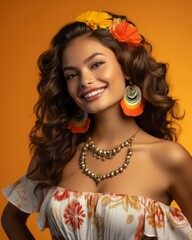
(118, 149)
(88, 172)
(85, 170)
(122, 145)
(103, 177)
(125, 165)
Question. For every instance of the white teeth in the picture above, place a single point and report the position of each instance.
(91, 94)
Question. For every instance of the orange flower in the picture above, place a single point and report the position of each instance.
(125, 32)
(140, 227)
(155, 214)
(92, 204)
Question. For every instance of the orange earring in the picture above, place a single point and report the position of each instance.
(79, 123)
(132, 103)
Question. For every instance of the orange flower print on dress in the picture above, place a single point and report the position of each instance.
(124, 200)
(77, 194)
(155, 214)
(134, 202)
(60, 195)
(125, 32)
(140, 228)
(74, 214)
(91, 205)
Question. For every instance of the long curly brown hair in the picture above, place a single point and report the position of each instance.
(52, 143)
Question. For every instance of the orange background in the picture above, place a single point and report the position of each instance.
(26, 29)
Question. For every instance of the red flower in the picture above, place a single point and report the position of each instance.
(176, 217)
(125, 32)
(177, 214)
(60, 195)
(74, 214)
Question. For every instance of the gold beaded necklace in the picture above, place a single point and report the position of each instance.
(104, 154)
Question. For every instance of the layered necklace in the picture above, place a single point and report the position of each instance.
(105, 154)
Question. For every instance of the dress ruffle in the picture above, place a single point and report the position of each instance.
(21, 194)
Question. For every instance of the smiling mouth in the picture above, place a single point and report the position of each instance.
(94, 93)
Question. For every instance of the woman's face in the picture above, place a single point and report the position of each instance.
(94, 77)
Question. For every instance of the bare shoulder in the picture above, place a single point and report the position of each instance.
(168, 153)
(177, 162)
(172, 154)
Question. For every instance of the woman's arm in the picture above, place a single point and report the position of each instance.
(181, 180)
(14, 223)
(14, 219)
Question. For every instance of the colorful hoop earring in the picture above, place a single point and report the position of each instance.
(79, 123)
(132, 103)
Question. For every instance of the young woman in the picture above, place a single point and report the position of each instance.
(105, 163)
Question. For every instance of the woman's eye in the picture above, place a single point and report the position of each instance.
(96, 65)
(70, 76)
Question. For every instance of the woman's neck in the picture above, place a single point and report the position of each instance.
(113, 127)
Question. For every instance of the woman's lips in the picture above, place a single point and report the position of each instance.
(93, 95)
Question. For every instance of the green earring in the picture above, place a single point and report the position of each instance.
(132, 103)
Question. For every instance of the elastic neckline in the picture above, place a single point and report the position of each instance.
(111, 194)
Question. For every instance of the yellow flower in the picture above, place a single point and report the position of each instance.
(95, 19)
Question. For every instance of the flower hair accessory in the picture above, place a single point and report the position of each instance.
(120, 28)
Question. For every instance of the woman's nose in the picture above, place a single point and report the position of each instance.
(86, 79)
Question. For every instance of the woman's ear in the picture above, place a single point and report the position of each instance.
(127, 78)
(127, 81)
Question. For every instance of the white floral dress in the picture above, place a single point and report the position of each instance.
(73, 215)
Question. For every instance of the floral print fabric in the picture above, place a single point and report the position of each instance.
(73, 215)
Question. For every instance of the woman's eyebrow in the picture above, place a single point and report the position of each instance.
(84, 62)
(68, 68)
(92, 56)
